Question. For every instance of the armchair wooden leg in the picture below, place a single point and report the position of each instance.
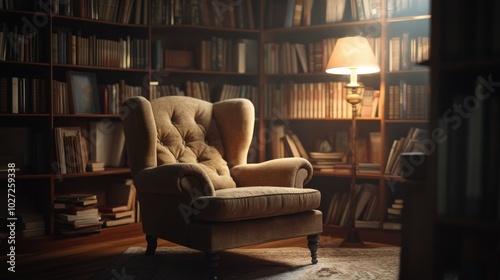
(313, 243)
(151, 247)
(213, 265)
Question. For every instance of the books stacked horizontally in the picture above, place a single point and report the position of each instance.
(95, 166)
(372, 168)
(394, 215)
(326, 161)
(119, 208)
(32, 224)
(77, 213)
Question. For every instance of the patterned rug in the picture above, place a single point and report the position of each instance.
(265, 264)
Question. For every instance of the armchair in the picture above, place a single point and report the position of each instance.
(188, 159)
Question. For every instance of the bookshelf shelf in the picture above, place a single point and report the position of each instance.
(204, 72)
(63, 67)
(108, 171)
(409, 18)
(203, 28)
(347, 174)
(87, 116)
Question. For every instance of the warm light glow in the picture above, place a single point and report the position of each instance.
(352, 56)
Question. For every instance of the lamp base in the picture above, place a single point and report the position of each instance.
(352, 240)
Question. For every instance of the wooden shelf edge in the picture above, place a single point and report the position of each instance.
(107, 171)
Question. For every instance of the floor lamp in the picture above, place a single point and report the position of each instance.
(352, 56)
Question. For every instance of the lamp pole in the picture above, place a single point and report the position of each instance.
(353, 240)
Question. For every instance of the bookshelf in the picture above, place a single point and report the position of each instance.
(42, 41)
(312, 105)
(154, 57)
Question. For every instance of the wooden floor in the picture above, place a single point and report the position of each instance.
(81, 257)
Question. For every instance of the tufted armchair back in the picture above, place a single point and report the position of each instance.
(178, 129)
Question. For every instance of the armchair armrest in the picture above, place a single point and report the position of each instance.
(284, 172)
(180, 179)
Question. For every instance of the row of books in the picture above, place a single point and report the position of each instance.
(79, 49)
(225, 54)
(111, 96)
(330, 153)
(367, 201)
(291, 13)
(76, 148)
(23, 95)
(231, 14)
(412, 142)
(316, 100)
(71, 150)
(293, 58)
(201, 90)
(120, 11)
(408, 102)
(405, 52)
(17, 44)
(396, 8)
(337, 159)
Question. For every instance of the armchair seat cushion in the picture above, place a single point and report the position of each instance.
(255, 202)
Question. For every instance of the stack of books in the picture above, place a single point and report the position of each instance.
(77, 213)
(326, 161)
(95, 166)
(119, 208)
(372, 168)
(394, 215)
(32, 224)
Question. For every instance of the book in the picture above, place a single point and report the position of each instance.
(367, 224)
(392, 225)
(394, 211)
(118, 221)
(71, 150)
(77, 212)
(74, 203)
(117, 214)
(32, 221)
(107, 143)
(367, 191)
(95, 166)
(290, 146)
(75, 197)
(93, 215)
(374, 147)
(113, 208)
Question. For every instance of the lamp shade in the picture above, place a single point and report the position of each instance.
(352, 53)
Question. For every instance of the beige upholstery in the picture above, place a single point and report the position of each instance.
(189, 163)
